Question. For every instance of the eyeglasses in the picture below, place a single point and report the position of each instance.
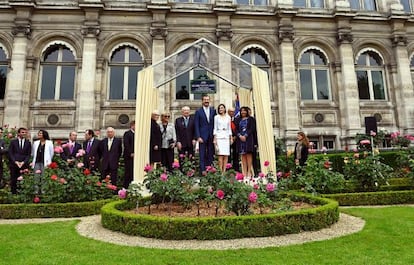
(167, 116)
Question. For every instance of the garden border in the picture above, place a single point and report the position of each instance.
(373, 198)
(230, 227)
(51, 210)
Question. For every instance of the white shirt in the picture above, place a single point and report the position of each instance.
(222, 126)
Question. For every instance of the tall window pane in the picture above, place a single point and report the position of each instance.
(306, 84)
(322, 84)
(378, 85)
(363, 88)
(58, 74)
(407, 5)
(124, 65)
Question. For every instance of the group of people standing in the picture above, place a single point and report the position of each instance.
(99, 155)
(209, 132)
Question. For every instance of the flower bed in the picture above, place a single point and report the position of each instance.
(373, 198)
(209, 228)
(51, 210)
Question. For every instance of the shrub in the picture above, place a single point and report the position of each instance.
(222, 227)
(373, 198)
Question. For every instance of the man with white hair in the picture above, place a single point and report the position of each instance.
(184, 130)
(111, 150)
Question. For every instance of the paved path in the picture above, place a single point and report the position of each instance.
(91, 227)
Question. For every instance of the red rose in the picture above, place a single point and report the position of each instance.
(36, 199)
(220, 194)
(54, 177)
(53, 165)
(86, 172)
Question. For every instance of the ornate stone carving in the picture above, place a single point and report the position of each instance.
(91, 30)
(286, 33)
(22, 29)
(399, 39)
(224, 33)
(344, 35)
(159, 33)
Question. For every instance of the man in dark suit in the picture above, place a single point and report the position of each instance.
(184, 130)
(129, 154)
(70, 148)
(92, 152)
(233, 147)
(203, 132)
(3, 150)
(111, 150)
(19, 154)
(155, 139)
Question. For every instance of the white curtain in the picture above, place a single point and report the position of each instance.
(263, 117)
(245, 98)
(146, 102)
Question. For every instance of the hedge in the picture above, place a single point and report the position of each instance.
(229, 227)
(373, 198)
(51, 210)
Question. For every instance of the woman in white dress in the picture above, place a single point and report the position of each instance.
(222, 136)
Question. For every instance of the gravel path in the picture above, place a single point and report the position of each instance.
(91, 227)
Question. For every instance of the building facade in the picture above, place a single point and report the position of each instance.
(72, 64)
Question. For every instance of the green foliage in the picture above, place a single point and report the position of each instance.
(367, 171)
(51, 210)
(373, 198)
(222, 227)
(317, 177)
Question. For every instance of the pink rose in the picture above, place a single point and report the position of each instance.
(270, 187)
(252, 197)
(36, 199)
(190, 173)
(266, 163)
(372, 133)
(256, 186)
(58, 149)
(80, 165)
(122, 194)
(228, 166)
(366, 141)
(176, 164)
(239, 176)
(210, 190)
(147, 168)
(54, 177)
(182, 156)
(111, 187)
(261, 175)
(220, 194)
(62, 181)
(20, 178)
(164, 177)
(279, 174)
(38, 171)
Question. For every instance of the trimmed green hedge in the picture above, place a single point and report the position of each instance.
(373, 198)
(51, 210)
(208, 228)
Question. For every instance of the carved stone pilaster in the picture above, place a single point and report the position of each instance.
(286, 33)
(159, 33)
(336, 66)
(276, 65)
(31, 62)
(344, 35)
(91, 31)
(23, 30)
(224, 33)
(399, 39)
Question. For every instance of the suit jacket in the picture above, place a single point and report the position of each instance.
(128, 144)
(185, 135)
(110, 158)
(251, 139)
(155, 140)
(202, 127)
(18, 154)
(91, 159)
(49, 152)
(66, 154)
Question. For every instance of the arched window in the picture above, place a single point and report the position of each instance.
(258, 57)
(58, 67)
(314, 76)
(126, 61)
(3, 72)
(370, 76)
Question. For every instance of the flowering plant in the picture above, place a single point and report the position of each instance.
(63, 182)
(399, 140)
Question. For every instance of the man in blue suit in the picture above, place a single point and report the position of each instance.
(203, 132)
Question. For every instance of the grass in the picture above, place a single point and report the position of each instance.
(386, 239)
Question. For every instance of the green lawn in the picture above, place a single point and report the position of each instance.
(388, 238)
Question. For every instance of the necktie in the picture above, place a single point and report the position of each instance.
(186, 122)
(71, 147)
(207, 111)
(88, 147)
(21, 143)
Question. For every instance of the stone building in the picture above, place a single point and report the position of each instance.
(72, 64)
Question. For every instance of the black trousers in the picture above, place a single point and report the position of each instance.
(167, 158)
(129, 171)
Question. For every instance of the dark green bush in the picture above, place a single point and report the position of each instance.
(373, 198)
(208, 228)
(51, 210)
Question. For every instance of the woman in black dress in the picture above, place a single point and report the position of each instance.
(155, 139)
(246, 126)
